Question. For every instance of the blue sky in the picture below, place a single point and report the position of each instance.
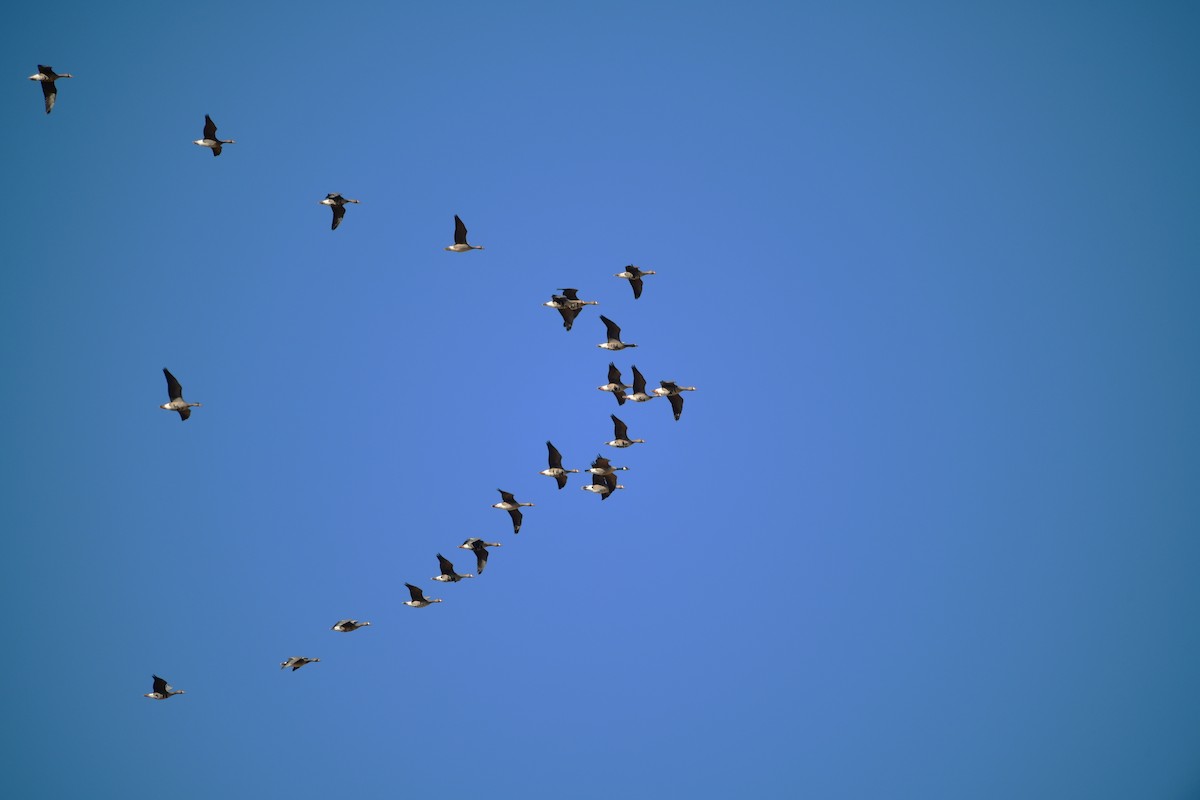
(926, 529)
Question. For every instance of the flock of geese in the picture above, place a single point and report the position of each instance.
(566, 302)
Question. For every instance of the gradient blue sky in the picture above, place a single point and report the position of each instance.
(928, 528)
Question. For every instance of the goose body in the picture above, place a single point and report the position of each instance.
(568, 305)
(161, 690)
(639, 388)
(603, 485)
(556, 470)
(448, 574)
(634, 276)
(175, 396)
(348, 625)
(338, 203)
(210, 139)
(509, 503)
(460, 238)
(479, 548)
(46, 76)
(621, 435)
(614, 336)
(671, 391)
(418, 597)
(614, 384)
(296, 662)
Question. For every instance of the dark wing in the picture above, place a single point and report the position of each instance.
(669, 386)
(639, 383)
(50, 93)
(614, 333)
(614, 374)
(210, 128)
(516, 518)
(506, 497)
(561, 478)
(608, 480)
(174, 390)
(446, 567)
(338, 213)
(571, 294)
(620, 430)
(416, 593)
(216, 150)
(636, 283)
(160, 685)
(601, 462)
(676, 404)
(460, 231)
(184, 413)
(341, 622)
(620, 395)
(481, 555)
(555, 456)
(46, 70)
(333, 196)
(569, 315)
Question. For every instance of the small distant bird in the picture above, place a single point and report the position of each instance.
(296, 662)
(339, 207)
(46, 76)
(568, 305)
(161, 690)
(448, 574)
(603, 485)
(175, 395)
(634, 276)
(418, 597)
(509, 503)
(671, 391)
(210, 139)
(460, 238)
(556, 470)
(602, 466)
(347, 625)
(614, 336)
(639, 388)
(479, 547)
(614, 384)
(621, 434)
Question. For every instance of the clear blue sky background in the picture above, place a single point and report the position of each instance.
(928, 529)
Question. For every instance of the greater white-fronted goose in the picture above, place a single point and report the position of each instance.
(614, 385)
(47, 76)
(671, 391)
(479, 548)
(634, 276)
(621, 434)
(418, 597)
(348, 625)
(296, 662)
(448, 574)
(460, 238)
(338, 203)
(210, 139)
(161, 690)
(175, 395)
(509, 503)
(556, 470)
(614, 336)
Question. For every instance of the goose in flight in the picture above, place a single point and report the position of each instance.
(210, 139)
(614, 384)
(448, 574)
(671, 391)
(460, 238)
(347, 625)
(603, 485)
(46, 76)
(556, 470)
(161, 690)
(568, 305)
(509, 503)
(602, 466)
(175, 395)
(621, 434)
(339, 207)
(634, 276)
(614, 336)
(639, 388)
(418, 597)
(479, 547)
(296, 662)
